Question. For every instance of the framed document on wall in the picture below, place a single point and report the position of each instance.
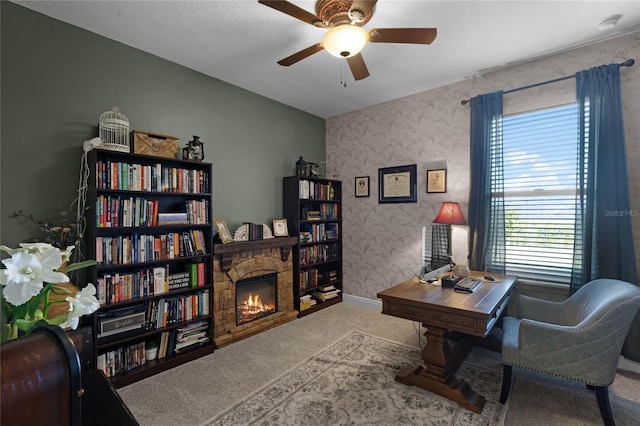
(437, 181)
(397, 184)
(362, 186)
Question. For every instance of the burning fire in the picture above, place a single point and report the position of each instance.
(253, 307)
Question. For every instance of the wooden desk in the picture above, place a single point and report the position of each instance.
(441, 312)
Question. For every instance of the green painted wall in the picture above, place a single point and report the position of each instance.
(58, 79)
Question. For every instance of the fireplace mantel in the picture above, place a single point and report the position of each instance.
(226, 250)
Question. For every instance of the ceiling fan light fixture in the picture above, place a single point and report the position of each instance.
(345, 41)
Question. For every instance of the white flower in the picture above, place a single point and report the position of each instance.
(26, 272)
(83, 303)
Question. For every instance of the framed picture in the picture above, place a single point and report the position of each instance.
(280, 228)
(223, 231)
(397, 184)
(437, 180)
(362, 186)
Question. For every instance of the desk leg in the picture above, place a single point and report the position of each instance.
(442, 357)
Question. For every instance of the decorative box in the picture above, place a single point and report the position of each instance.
(112, 326)
(155, 144)
(132, 318)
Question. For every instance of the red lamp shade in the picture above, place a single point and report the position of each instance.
(450, 214)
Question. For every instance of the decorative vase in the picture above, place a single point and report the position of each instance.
(57, 309)
(150, 354)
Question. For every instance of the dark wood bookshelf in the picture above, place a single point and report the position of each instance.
(302, 195)
(168, 200)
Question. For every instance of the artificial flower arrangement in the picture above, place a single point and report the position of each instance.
(27, 279)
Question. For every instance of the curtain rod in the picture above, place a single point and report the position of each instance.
(627, 63)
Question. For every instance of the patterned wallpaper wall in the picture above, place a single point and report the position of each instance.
(431, 129)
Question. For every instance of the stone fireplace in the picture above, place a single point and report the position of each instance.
(244, 268)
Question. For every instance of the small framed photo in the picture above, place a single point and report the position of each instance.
(223, 231)
(362, 186)
(397, 184)
(437, 181)
(280, 228)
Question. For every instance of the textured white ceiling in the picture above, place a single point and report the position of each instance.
(240, 42)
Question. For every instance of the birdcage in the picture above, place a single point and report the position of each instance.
(114, 131)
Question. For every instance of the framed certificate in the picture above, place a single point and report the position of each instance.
(362, 186)
(397, 184)
(437, 181)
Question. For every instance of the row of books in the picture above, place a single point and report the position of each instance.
(306, 301)
(308, 189)
(308, 278)
(319, 253)
(325, 211)
(183, 339)
(315, 232)
(118, 287)
(174, 310)
(127, 358)
(116, 211)
(197, 213)
(122, 359)
(326, 293)
(255, 231)
(157, 178)
(135, 248)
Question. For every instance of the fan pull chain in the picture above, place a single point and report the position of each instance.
(343, 80)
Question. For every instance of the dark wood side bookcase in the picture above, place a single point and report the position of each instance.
(313, 209)
(149, 228)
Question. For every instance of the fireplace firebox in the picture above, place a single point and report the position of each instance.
(256, 297)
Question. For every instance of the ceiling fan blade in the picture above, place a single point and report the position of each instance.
(358, 67)
(293, 11)
(365, 6)
(403, 35)
(290, 60)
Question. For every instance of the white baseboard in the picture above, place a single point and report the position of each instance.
(628, 365)
(362, 301)
(623, 363)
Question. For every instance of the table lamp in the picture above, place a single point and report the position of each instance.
(449, 214)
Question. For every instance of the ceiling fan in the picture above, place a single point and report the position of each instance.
(345, 37)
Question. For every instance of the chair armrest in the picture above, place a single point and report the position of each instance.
(568, 351)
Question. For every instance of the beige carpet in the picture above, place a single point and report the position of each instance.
(203, 389)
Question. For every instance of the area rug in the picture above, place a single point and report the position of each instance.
(352, 383)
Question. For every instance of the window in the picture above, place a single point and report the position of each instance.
(540, 152)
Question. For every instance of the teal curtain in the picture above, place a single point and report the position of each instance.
(604, 214)
(486, 213)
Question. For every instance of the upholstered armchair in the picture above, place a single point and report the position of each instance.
(579, 338)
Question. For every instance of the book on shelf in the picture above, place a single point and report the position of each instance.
(187, 346)
(191, 336)
(326, 292)
(177, 218)
(306, 301)
(160, 283)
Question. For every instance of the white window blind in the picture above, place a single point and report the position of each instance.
(540, 151)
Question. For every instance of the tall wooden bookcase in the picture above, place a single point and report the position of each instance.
(149, 228)
(313, 209)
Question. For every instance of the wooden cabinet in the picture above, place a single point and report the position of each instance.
(312, 207)
(149, 229)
